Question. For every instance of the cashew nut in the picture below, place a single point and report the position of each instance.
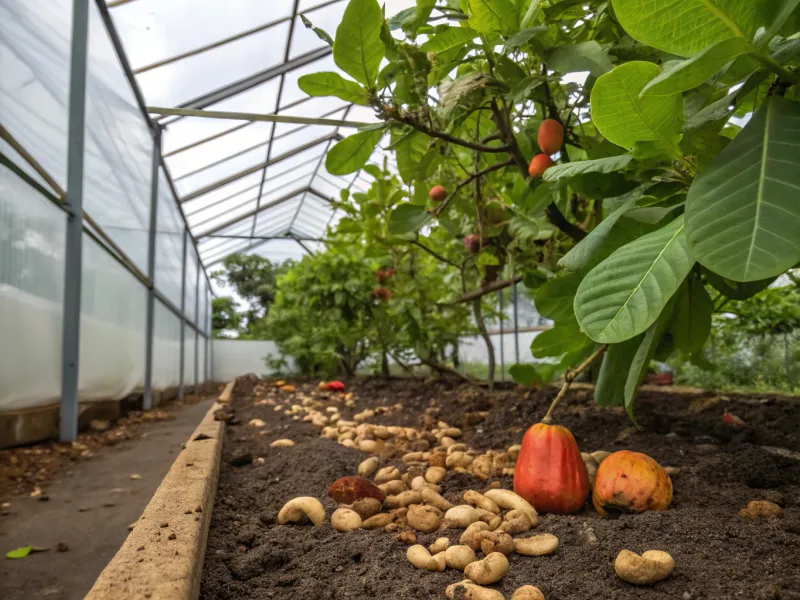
(304, 506)
(371, 446)
(458, 557)
(513, 451)
(489, 570)
(419, 556)
(435, 475)
(282, 444)
(494, 521)
(537, 545)
(387, 474)
(419, 483)
(344, 519)
(509, 500)
(458, 459)
(469, 537)
(600, 455)
(440, 545)
(366, 507)
(368, 466)
(651, 566)
(392, 488)
(407, 537)
(528, 592)
(495, 541)
(461, 517)
(480, 501)
(466, 590)
(412, 457)
(435, 499)
(424, 518)
(515, 522)
(404, 499)
(377, 521)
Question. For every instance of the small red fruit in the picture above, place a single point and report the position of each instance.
(550, 472)
(539, 164)
(381, 293)
(550, 136)
(472, 243)
(334, 386)
(438, 193)
(347, 490)
(629, 481)
(382, 275)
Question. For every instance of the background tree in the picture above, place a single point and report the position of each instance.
(225, 316)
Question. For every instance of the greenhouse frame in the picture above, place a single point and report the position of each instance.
(113, 211)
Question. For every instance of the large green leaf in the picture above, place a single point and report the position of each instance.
(554, 299)
(599, 165)
(736, 290)
(408, 218)
(558, 340)
(580, 255)
(352, 153)
(623, 295)
(525, 375)
(742, 212)
(689, 74)
(610, 387)
(409, 152)
(19, 552)
(691, 323)
(624, 118)
(333, 84)
(684, 27)
(493, 16)
(450, 38)
(358, 49)
(587, 56)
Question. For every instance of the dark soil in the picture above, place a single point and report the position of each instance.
(718, 555)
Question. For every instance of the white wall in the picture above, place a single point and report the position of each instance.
(232, 358)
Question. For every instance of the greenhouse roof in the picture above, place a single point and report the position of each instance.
(244, 185)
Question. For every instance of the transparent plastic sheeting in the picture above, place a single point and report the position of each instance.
(166, 348)
(169, 244)
(189, 336)
(232, 358)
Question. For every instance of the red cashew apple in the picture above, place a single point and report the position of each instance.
(347, 490)
(472, 243)
(437, 193)
(550, 473)
(539, 164)
(334, 386)
(629, 481)
(382, 293)
(550, 136)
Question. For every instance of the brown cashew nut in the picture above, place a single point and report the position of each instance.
(303, 507)
(403, 499)
(458, 557)
(469, 537)
(440, 545)
(495, 541)
(462, 516)
(515, 522)
(419, 556)
(424, 518)
(466, 590)
(478, 500)
(489, 570)
(344, 519)
(651, 566)
(537, 545)
(435, 499)
(509, 500)
(528, 592)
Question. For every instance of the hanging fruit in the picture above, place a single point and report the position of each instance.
(539, 164)
(437, 193)
(629, 481)
(472, 243)
(550, 473)
(550, 136)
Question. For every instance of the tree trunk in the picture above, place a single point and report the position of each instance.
(385, 365)
(455, 358)
(478, 312)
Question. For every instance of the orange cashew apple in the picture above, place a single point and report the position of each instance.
(550, 136)
(539, 164)
(631, 482)
(437, 193)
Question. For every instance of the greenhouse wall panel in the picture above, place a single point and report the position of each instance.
(32, 232)
(166, 348)
(232, 358)
(169, 244)
(188, 358)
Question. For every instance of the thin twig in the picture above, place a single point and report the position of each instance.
(569, 377)
(492, 287)
(470, 179)
(435, 254)
(449, 138)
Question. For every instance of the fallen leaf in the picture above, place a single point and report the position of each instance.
(19, 552)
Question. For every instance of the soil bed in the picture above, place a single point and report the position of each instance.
(718, 555)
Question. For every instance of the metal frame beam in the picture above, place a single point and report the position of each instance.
(73, 268)
(197, 330)
(183, 313)
(147, 402)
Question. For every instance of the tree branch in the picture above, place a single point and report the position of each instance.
(569, 377)
(447, 137)
(435, 254)
(470, 179)
(487, 289)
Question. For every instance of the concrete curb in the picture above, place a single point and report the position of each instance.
(162, 558)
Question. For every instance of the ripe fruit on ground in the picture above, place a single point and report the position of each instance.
(334, 386)
(550, 473)
(550, 136)
(438, 193)
(539, 164)
(631, 482)
(472, 243)
(347, 490)
(381, 293)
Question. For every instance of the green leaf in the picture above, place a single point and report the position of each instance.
(531, 14)
(736, 290)
(782, 14)
(450, 38)
(358, 49)
(587, 56)
(333, 84)
(610, 387)
(19, 552)
(321, 33)
(485, 259)
(558, 340)
(623, 295)
(408, 218)
(685, 27)
(580, 255)
(600, 165)
(409, 152)
(689, 74)
(742, 213)
(493, 16)
(525, 375)
(352, 153)
(624, 118)
(691, 323)
(523, 37)
(555, 298)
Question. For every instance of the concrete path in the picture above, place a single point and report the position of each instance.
(89, 510)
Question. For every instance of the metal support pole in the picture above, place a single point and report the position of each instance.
(502, 358)
(73, 267)
(196, 331)
(183, 317)
(207, 329)
(516, 326)
(151, 273)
